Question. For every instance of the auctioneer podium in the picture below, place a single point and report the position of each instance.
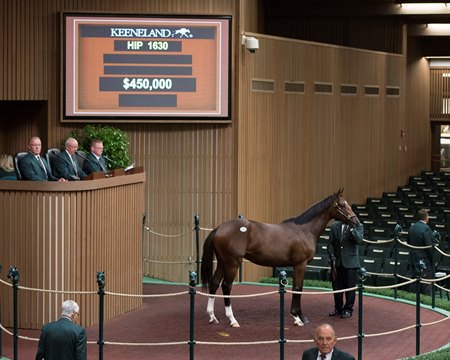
(59, 235)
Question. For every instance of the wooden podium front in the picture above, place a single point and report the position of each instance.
(59, 235)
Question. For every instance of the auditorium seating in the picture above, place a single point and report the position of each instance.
(317, 267)
(16, 159)
(51, 156)
(379, 251)
(373, 267)
(389, 268)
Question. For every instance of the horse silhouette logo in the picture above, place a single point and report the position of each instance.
(183, 32)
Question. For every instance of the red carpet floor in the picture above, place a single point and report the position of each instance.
(166, 320)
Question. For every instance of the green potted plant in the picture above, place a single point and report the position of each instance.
(115, 142)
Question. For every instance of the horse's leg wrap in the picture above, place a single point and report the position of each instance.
(298, 321)
(229, 314)
(210, 311)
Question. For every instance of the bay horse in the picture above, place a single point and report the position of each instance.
(290, 243)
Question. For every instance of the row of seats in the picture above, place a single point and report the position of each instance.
(51, 155)
(318, 269)
(380, 269)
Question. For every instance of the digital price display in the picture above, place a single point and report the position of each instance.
(146, 69)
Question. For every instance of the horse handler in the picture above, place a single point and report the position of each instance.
(344, 261)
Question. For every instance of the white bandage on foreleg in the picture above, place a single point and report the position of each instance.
(298, 321)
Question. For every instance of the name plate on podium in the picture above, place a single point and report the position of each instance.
(117, 172)
(95, 175)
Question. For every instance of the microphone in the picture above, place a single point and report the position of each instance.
(84, 158)
(112, 162)
(72, 177)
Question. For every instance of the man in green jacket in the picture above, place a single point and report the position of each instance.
(344, 259)
(63, 339)
(420, 235)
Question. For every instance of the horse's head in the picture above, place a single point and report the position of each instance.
(343, 211)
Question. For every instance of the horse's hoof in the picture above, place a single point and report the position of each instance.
(305, 320)
(213, 320)
(235, 325)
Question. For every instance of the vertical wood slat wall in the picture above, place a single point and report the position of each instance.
(189, 167)
(440, 93)
(59, 240)
(296, 149)
(251, 166)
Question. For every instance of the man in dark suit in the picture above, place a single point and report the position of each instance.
(95, 161)
(33, 166)
(66, 165)
(63, 339)
(344, 261)
(325, 339)
(420, 234)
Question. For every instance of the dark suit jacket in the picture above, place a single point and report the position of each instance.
(311, 354)
(345, 249)
(62, 340)
(31, 169)
(420, 234)
(63, 168)
(93, 165)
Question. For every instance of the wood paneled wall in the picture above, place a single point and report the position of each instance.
(440, 93)
(59, 235)
(281, 153)
(296, 149)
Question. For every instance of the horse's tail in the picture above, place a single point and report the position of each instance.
(207, 260)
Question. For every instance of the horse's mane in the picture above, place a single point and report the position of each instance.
(313, 211)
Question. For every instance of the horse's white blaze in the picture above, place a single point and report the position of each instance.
(229, 314)
(298, 321)
(210, 311)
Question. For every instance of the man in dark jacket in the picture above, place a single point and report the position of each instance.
(325, 339)
(344, 259)
(66, 165)
(420, 235)
(63, 339)
(33, 166)
(95, 161)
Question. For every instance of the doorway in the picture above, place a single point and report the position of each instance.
(440, 147)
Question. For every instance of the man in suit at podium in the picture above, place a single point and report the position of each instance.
(66, 165)
(33, 166)
(95, 162)
(63, 339)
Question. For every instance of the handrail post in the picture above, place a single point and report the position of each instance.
(240, 216)
(282, 291)
(192, 292)
(362, 276)
(436, 240)
(14, 275)
(101, 311)
(197, 240)
(420, 267)
(397, 231)
(144, 218)
(1, 339)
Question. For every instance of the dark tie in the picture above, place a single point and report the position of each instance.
(322, 356)
(344, 231)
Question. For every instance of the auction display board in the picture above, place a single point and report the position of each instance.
(145, 69)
